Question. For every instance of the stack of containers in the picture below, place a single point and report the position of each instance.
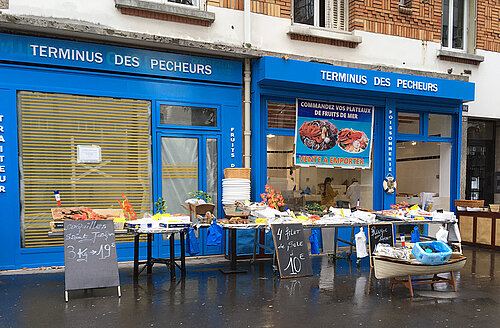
(235, 186)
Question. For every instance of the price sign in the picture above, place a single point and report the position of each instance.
(291, 250)
(90, 254)
(379, 233)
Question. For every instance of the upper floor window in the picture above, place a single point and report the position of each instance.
(331, 14)
(182, 2)
(454, 27)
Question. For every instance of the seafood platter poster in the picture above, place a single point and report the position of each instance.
(331, 134)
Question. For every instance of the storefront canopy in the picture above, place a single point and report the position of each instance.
(279, 71)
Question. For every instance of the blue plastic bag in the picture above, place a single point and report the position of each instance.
(192, 244)
(415, 235)
(440, 253)
(214, 234)
(313, 239)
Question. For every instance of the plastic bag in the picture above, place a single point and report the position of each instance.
(214, 234)
(415, 235)
(454, 233)
(192, 244)
(313, 239)
(442, 234)
(389, 251)
(361, 244)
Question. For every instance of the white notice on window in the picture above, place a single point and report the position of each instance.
(88, 154)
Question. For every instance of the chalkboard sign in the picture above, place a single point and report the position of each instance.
(90, 255)
(379, 233)
(291, 250)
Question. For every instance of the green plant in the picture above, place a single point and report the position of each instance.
(201, 195)
(160, 206)
(315, 207)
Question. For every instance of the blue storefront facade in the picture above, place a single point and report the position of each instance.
(43, 69)
(392, 95)
(39, 71)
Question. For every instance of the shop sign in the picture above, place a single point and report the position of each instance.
(46, 51)
(232, 139)
(300, 72)
(390, 140)
(3, 176)
(329, 134)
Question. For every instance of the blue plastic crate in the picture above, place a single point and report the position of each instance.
(441, 253)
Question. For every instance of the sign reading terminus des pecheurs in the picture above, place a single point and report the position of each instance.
(46, 51)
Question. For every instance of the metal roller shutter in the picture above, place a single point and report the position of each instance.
(51, 128)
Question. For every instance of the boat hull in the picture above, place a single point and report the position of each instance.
(386, 267)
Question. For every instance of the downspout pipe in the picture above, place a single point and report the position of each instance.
(246, 20)
(247, 78)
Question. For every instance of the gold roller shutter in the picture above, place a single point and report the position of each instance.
(51, 126)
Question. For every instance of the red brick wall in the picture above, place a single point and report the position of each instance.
(488, 25)
(422, 22)
(276, 8)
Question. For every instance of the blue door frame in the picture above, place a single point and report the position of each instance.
(18, 77)
(160, 246)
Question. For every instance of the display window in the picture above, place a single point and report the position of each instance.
(424, 169)
(313, 188)
(423, 174)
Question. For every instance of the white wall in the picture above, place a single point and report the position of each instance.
(270, 34)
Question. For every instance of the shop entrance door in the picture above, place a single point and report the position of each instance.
(480, 170)
(187, 163)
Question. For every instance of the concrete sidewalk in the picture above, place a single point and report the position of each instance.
(338, 295)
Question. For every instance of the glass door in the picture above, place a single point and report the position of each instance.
(187, 163)
(179, 170)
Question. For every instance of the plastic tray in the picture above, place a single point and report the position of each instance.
(442, 254)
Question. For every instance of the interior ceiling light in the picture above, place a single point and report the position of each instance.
(413, 143)
(271, 136)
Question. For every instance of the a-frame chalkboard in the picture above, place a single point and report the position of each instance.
(291, 250)
(379, 233)
(90, 255)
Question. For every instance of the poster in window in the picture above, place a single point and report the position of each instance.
(329, 134)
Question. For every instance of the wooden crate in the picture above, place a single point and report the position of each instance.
(469, 203)
(237, 173)
(200, 209)
(233, 210)
(495, 207)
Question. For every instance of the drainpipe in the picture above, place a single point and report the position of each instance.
(246, 22)
(247, 78)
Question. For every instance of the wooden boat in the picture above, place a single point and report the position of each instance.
(387, 267)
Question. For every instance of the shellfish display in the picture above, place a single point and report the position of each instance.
(318, 135)
(352, 141)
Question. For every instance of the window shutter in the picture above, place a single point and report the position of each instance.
(51, 127)
(336, 14)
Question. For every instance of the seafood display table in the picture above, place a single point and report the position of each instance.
(150, 261)
(233, 228)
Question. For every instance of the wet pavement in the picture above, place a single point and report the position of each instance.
(340, 294)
